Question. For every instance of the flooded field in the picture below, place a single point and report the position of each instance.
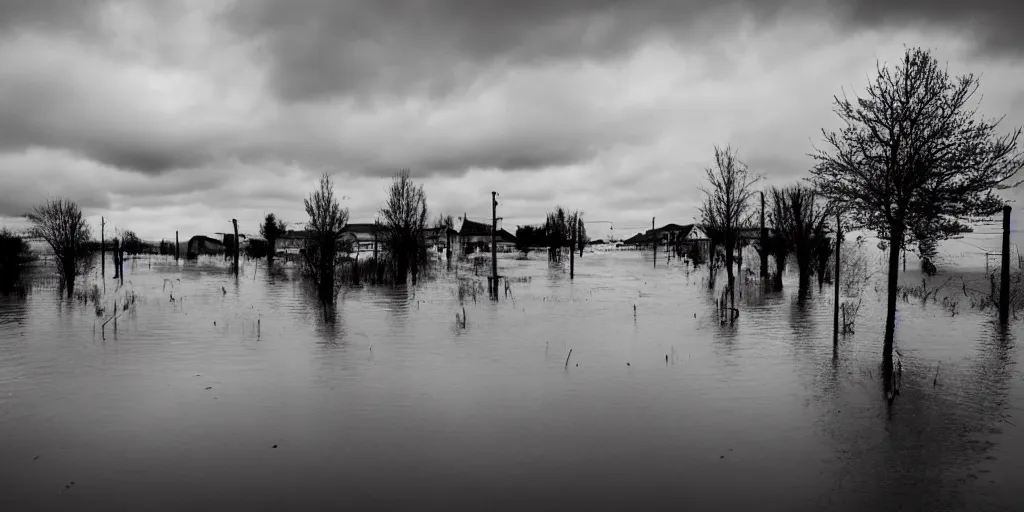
(237, 393)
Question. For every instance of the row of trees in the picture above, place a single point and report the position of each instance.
(61, 223)
(561, 229)
(912, 163)
(401, 232)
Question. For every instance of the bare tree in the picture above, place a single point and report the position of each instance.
(444, 221)
(327, 220)
(556, 230)
(404, 219)
(131, 243)
(726, 207)
(799, 218)
(271, 229)
(60, 222)
(912, 163)
(781, 245)
(581, 234)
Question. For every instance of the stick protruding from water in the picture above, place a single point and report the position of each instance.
(567, 358)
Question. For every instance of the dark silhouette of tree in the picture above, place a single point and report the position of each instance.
(61, 224)
(404, 219)
(444, 221)
(327, 220)
(131, 244)
(14, 255)
(912, 163)
(781, 245)
(581, 234)
(822, 247)
(556, 229)
(801, 225)
(726, 207)
(271, 229)
(529, 237)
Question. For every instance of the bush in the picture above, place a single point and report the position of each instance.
(14, 255)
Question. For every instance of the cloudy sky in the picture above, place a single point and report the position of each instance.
(166, 115)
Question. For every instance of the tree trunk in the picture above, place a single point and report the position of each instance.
(731, 281)
(68, 264)
(804, 266)
(326, 284)
(402, 270)
(780, 268)
(895, 244)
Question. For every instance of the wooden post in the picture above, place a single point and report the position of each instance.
(835, 308)
(234, 222)
(176, 244)
(572, 248)
(376, 227)
(1004, 282)
(764, 243)
(116, 244)
(103, 248)
(494, 247)
(654, 242)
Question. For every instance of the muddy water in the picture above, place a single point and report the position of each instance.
(394, 404)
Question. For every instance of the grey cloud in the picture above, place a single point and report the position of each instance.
(49, 15)
(321, 48)
(46, 112)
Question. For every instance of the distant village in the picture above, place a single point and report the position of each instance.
(467, 237)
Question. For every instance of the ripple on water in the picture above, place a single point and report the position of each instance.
(194, 391)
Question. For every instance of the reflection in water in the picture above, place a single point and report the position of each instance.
(379, 398)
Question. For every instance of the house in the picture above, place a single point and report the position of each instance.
(291, 242)
(200, 244)
(439, 237)
(475, 236)
(679, 237)
(363, 237)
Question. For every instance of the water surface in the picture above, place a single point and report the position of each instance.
(393, 404)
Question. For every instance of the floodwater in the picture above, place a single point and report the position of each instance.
(395, 406)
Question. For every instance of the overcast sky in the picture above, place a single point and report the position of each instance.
(169, 115)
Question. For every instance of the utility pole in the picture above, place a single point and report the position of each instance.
(764, 243)
(573, 233)
(176, 245)
(103, 248)
(234, 222)
(494, 247)
(654, 242)
(835, 308)
(116, 246)
(1004, 280)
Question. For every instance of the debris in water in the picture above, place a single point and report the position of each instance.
(627, 364)
(35, 458)
(209, 387)
(275, 446)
